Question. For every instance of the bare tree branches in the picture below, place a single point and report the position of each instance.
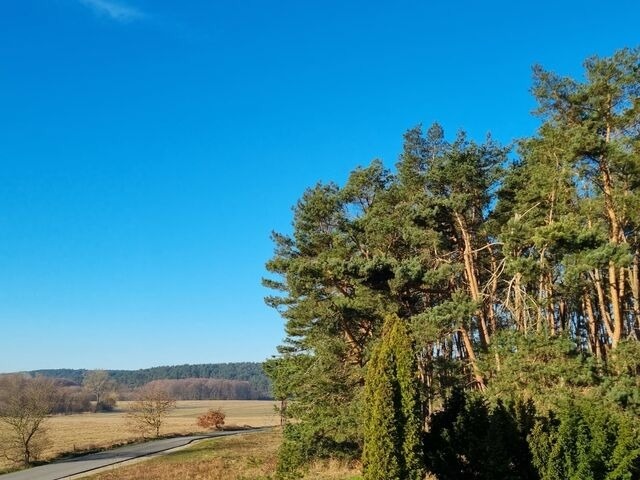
(24, 406)
(148, 413)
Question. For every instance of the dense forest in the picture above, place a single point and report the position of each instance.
(510, 275)
(250, 372)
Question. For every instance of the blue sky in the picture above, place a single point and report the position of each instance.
(149, 147)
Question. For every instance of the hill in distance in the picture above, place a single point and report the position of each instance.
(250, 372)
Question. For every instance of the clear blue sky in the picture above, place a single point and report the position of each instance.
(149, 147)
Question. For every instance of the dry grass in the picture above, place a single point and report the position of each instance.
(333, 470)
(82, 432)
(256, 413)
(248, 456)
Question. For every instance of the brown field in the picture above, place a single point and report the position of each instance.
(87, 431)
(243, 457)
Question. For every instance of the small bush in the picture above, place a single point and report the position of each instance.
(106, 405)
(213, 419)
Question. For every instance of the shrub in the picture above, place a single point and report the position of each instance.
(213, 419)
(107, 404)
(586, 441)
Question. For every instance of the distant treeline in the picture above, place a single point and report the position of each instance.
(249, 372)
(207, 389)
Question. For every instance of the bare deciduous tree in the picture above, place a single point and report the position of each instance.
(149, 411)
(100, 384)
(24, 405)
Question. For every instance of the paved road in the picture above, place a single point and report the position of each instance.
(75, 466)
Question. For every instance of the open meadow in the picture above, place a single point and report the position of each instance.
(240, 457)
(91, 431)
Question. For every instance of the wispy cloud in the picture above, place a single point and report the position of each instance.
(117, 11)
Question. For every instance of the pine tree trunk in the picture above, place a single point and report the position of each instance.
(477, 375)
(616, 236)
(602, 303)
(472, 279)
(618, 321)
(518, 305)
(594, 340)
(493, 294)
(634, 282)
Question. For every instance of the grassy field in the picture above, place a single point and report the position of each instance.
(249, 456)
(87, 431)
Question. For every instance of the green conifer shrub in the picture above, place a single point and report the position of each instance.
(392, 427)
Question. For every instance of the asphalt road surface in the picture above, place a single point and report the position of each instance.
(87, 463)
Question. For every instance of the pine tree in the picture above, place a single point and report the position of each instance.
(514, 276)
(392, 430)
(599, 119)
